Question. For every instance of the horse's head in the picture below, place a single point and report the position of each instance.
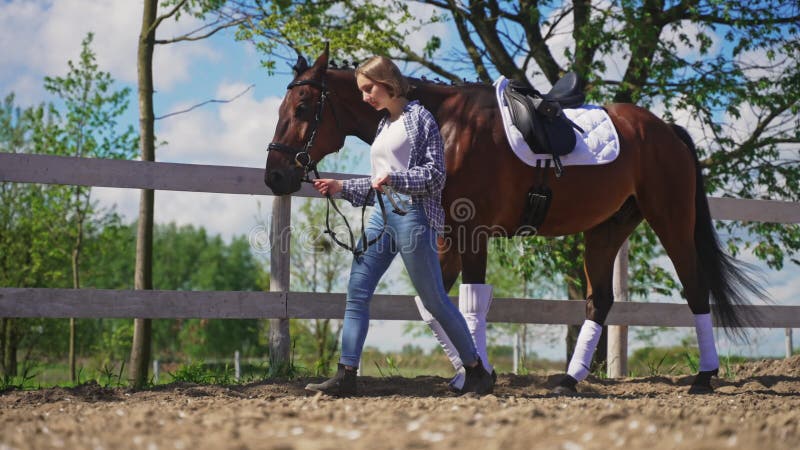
(308, 128)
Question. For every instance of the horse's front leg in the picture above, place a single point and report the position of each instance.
(602, 243)
(449, 261)
(474, 295)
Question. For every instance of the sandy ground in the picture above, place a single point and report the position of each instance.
(758, 409)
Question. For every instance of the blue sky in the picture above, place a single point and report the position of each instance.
(38, 37)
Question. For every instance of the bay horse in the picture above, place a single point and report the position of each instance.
(656, 177)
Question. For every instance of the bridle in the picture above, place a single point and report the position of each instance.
(302, 158)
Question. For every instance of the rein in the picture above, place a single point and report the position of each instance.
(302, 158)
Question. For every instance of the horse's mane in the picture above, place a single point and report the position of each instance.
(423, 82)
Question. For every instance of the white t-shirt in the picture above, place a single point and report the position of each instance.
(391, 149)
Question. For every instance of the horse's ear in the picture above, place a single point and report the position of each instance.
(300, 66)
(321, 64)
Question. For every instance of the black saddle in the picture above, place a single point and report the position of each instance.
(540, 118)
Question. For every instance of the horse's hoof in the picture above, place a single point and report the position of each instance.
(565, 391)
(698, 389)
(566, 386)
(702, 382)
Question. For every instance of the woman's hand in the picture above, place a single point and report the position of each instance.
(380, 180)
(327, 186)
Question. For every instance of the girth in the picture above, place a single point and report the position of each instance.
(537, 202)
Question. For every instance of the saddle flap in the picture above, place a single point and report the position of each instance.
(521, 113)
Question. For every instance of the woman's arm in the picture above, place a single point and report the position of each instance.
(350, 190)
(357, 191)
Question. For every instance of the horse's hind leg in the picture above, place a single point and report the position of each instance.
(673, 219)
(602, 244)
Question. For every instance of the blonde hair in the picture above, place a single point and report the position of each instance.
(381, 69)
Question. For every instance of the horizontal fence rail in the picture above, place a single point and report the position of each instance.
(107, 303)
(101, 303)
(97, 303)
(163, 176)
(46, 169)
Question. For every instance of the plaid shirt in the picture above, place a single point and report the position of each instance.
(425, 176)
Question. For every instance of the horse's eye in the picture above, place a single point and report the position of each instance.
(300, 110)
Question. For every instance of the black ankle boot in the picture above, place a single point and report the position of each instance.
(566, 386)
(477, 380)
(343, 384)
(702, 382)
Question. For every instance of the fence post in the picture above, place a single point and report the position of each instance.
(515, 367)
(618, 334)
(280, 240)
(789, 345)
(237, 367)
(155, 371)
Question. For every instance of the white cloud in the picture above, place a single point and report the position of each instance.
(691, 30)
(225, 214)
(419, 38)
(561, 40)
(39, 37)
(234, 134)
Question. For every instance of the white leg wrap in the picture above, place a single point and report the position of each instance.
(474, 301)
(705, 341)
(458, 380)
(441, 336)
(584, 350)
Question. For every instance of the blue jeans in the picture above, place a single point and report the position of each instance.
(415, 240)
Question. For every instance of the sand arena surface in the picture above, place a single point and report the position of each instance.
(758, 409)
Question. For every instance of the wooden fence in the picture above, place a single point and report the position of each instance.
(80, 303)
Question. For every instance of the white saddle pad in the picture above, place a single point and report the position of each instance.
(598, 144)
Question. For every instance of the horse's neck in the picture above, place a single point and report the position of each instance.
(358, 118)
(456, 104)
(445, 101)
(432, 96)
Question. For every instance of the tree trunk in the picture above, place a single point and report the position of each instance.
(143, 278)
(76, 284)
(72, 372)
(9, 349)
(600, 360)
(3, 321)
(573, 293)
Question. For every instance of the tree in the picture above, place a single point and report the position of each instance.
(188, 258)
(143, 277)
(185, 258)
(88, 128)
(729, 69)
(28, 216)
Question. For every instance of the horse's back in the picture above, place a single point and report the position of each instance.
(652, 142)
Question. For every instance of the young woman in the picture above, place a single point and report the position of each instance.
(407, 155)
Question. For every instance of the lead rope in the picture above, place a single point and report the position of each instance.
(352, 247)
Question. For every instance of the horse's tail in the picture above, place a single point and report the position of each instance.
(729, 281)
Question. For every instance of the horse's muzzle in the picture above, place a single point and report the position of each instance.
(282, 181)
